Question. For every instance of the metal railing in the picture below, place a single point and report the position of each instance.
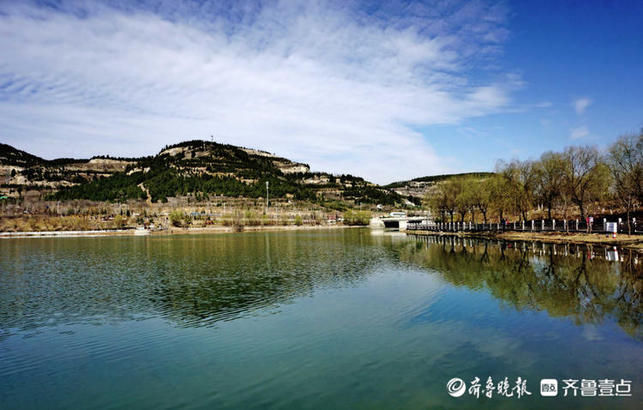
(536, 225)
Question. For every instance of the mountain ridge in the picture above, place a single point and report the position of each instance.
(195, 167)
(199, 168)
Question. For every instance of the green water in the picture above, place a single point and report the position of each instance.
(310, 319)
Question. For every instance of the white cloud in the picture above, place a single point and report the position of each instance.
(581, 104)
(578, 133)
(332, 86)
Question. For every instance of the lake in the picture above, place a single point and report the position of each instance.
(345, 318)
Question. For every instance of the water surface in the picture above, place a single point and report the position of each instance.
(317, 319)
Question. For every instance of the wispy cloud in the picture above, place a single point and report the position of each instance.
(336, 86)
(581, 104)
(578, 133)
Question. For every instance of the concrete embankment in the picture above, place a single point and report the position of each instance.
(624, 241)
(58, 234)
(170, 231)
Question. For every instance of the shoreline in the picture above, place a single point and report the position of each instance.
(170, 231)
(634, 242)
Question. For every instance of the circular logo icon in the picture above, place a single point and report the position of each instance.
(456, 387)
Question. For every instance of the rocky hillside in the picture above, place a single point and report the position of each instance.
(21, 171)
(192, 168)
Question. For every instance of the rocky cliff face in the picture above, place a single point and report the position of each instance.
(204, 150)
(21, 172)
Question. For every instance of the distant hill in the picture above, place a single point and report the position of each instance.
(196, 168)
(418, 187)
(12, 156)
(438, 178)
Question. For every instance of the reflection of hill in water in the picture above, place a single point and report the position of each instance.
(200, 280)
(191, 280)
(267, 271)
(564, 280)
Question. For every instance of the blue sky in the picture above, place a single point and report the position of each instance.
(387, 91)
(590, 53)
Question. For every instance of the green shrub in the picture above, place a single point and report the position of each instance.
(357, 217)
(252, 218)
(335, 205)
(298, 220)
(119, 221)
(177, 218)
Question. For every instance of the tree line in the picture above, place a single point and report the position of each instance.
(570, 182)
(164, 183)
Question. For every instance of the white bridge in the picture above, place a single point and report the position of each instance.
(398, 221)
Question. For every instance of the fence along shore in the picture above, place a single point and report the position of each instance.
(603, 226)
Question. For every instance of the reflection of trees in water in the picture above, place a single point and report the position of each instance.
(565, 280)
(197, 281)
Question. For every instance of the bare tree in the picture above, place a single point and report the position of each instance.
(444, 199)
(499, 193)
(482, 196)
(463, 199)
(521, 180)
(476, 196)
(550, 178)
(586, 176)
(625, 161)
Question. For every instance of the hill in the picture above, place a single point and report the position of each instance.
(192, 168)
(12, 156)
(418, 187)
